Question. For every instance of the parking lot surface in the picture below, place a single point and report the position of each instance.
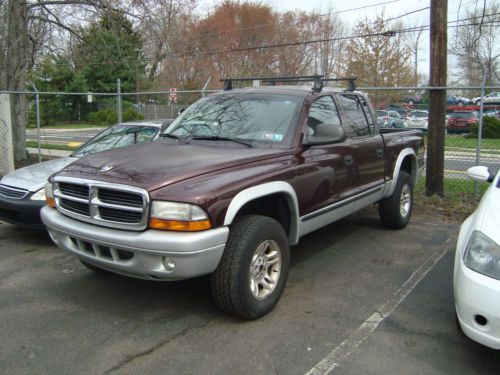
(360, 299)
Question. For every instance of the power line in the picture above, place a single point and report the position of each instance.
(319, 15)
(274, 24)
(347, 10)
(306, 42)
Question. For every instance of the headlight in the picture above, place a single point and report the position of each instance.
(178, 216)
(49, 195)
(483, 255)
(39, 195)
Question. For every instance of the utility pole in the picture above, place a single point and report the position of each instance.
(437, 98)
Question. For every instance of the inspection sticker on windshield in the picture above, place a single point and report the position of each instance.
(274, 137)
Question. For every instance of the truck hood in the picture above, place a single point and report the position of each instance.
(158, 164)
(34, 177)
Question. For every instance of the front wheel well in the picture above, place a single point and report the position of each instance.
(274, 206)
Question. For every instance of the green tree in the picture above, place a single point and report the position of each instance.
(109, 50)
(55, 74)
(379, 60)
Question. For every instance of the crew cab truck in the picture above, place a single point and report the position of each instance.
(237, 179)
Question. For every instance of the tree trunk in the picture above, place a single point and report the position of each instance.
(16, 70)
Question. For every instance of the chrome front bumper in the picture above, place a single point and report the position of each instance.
(150, 254)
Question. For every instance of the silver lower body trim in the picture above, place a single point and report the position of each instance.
(151, 254)
(339, 210)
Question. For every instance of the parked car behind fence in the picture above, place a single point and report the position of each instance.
(460, 122)
(418, 119)
(491, 98)
(389, 119)
(457, 100)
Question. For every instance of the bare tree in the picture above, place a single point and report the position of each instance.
(162, 24)
(331, 54)
(26, 31)
(475, 45)
(414, 39)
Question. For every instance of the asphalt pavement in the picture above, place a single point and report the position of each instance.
(360, 299)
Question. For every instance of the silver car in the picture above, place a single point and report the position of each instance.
(22, 192)
(389, 119)
(491, 98)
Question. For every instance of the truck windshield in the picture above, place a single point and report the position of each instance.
(252, 117)
(117, 136)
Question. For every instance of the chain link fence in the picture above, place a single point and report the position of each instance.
(6, 151)
(58, 123)
(472, 130)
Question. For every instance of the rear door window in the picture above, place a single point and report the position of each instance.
(359, 119)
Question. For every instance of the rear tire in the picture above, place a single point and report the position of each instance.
(252, 273)
(395, 211)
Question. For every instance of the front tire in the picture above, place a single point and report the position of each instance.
(252, 273)
(395, 211)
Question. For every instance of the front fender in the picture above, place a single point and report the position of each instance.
(258, 191)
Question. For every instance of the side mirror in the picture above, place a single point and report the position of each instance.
(325, 133)
(480, 174)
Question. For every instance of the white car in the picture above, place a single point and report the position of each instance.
(418, 119)
(491, 98)
(476, 279)
(22, 192)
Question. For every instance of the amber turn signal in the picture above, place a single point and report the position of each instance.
(51, 202)
(181, 226)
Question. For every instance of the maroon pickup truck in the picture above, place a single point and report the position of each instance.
(237, 178)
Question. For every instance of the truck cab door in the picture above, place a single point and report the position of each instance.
(367, 146)
(325, 171)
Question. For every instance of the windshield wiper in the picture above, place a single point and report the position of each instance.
(173, 136)
(219, 138)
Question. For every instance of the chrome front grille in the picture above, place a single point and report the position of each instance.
(12, 192)
(101, 203)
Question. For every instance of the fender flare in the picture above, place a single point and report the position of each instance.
(407, 152)
(259, 191)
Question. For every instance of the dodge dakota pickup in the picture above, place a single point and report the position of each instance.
(235, 180)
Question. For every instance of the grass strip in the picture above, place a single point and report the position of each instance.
(458, 202)
(70, 126)
(50, 146)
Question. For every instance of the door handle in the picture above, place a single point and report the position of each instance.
(348, 160)
(380, 153)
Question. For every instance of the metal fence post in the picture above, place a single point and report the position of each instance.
(480, 128)
(37, 105)
(205, 87)
(119, 100)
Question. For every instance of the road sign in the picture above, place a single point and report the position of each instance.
(173, 95)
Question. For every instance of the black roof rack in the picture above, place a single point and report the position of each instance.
(317, 79)
(350, 82)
